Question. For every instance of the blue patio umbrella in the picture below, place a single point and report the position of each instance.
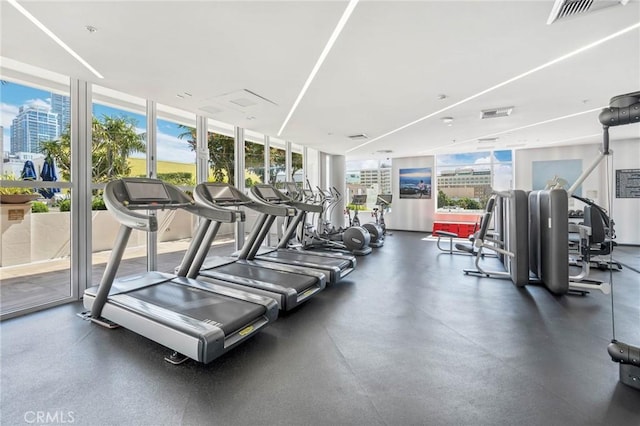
(48, 174)
(28, 171)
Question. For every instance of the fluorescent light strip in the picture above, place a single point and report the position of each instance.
(51, 35)
(551, 120)
(336, 32)
(504, 83)
(569, 140)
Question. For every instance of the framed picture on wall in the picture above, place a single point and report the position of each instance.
(415, 183)
(556, 172)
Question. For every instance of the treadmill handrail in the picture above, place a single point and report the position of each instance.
(298, 205)
(123, 214)
(202, 195)
(130, 214)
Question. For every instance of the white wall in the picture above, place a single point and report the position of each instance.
(626, 155)
(411, 214)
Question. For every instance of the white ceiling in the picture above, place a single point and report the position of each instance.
(386, 69)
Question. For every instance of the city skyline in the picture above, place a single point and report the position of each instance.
(14, 96)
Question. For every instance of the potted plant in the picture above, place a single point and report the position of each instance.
(16, 195)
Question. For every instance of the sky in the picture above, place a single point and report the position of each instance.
(170, 146)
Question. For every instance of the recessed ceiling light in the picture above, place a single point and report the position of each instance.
(91, 29)
(506, 82)
(447, 120)
(551, 120)
(442, 97)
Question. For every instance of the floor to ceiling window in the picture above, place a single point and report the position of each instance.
(176, 164)
(253, 158)
(118, 150)
(465, 181)
(367, 177)
(35, 251)
(297, 165)
(277, 162)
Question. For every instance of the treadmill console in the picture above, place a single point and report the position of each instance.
(384, 199)
(292, 189)
(145, 191)
(359, 199)
(268, 194)
(222, 193)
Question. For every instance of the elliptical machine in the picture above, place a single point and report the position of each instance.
(375, 230)
(325, 236)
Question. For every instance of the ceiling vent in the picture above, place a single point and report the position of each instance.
(567, 8)
(358, 137)
(211, 109)
(496, 112)
(487, 140)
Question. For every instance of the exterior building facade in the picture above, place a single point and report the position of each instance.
(33, 125)
(61, 105)
(465, 182)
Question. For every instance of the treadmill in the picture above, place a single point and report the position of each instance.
(335, 265)
(288, 285)
(195, 319)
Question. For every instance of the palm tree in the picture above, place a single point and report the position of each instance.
(114, 139)
(221, 153)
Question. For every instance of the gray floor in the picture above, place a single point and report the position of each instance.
(406, 340)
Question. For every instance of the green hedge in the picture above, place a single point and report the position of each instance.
(39, 207)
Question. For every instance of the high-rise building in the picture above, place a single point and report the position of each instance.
(33, 125)
(465, 182)
(61, 105)
(380, 177)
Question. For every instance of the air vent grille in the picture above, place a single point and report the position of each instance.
(487, 140)
(496, 112)
(358, 137)
(567, 8)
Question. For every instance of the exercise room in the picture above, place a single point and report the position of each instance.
(349, 212)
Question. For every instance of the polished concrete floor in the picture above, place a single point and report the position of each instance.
(406, 339)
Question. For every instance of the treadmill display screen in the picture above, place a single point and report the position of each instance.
(291, 188)
(385, 198)
(222, 193)
(146, 191)
(359, 199)
(268, 193)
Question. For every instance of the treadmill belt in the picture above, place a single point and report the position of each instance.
(306, 257)
(298, 282)
(231, 314)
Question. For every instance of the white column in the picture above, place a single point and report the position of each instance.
(152, 172)
(238, 152)
(202, 150)
(337, 165)
(267, 158)
(81, 144)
